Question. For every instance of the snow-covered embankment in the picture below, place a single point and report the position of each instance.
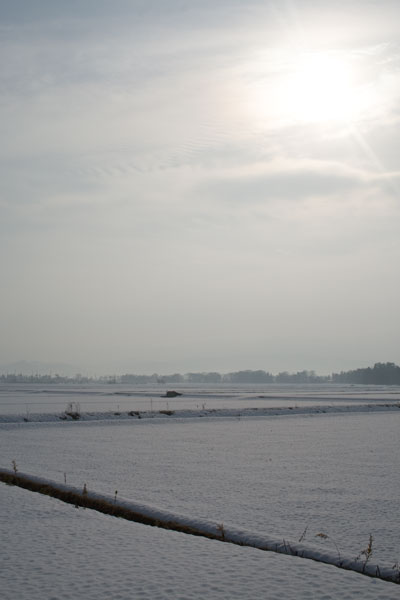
(160, 518)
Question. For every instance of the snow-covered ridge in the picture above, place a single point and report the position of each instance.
(158, 517)
(77, 415)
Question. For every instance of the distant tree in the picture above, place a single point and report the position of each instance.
(283, 377)
(174, 378)
(250, 377)
(380, 374)
(203, 377)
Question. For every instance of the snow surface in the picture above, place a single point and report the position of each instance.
(26, 399)
(51, 550)
(74, 414)
(280, 476)
(333, 474)
(174, 521)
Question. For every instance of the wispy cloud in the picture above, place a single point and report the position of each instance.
(155, 187)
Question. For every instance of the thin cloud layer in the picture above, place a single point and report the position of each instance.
(173, 193)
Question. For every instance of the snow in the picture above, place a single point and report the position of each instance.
(176, 522)
(75, 413)
(55, 551)
(28, 399)
(333, 473)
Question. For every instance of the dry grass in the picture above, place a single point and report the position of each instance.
(367, 552)
(85, 500)
(221, 529)
(109, 508)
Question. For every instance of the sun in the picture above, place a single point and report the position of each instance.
(319, 88)
(312, 87)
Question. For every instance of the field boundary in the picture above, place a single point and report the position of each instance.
(155, 517)
(77, 416)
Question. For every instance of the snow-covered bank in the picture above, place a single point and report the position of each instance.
(51, 550)
(77, 415)
(53, 399)
(330, 473)
(165, 519)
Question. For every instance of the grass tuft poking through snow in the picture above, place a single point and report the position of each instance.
(367, 552)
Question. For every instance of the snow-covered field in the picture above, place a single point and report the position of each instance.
(26, 400)
(279, 476)
(52, 551)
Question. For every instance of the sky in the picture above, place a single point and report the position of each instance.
(197, 186)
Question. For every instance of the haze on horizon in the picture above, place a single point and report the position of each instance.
(200, 186)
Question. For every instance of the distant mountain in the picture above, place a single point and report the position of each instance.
(25, 367)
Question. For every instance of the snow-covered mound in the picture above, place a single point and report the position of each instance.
(154, 516)
(56, 551)
(77, 415)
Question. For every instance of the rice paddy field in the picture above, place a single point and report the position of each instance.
(312, 463)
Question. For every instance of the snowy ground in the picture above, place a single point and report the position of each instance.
(27, 399)
(53, 551)
(335, 474)
(330, 473)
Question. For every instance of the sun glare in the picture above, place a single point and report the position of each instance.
(321, 88)
(311, 87)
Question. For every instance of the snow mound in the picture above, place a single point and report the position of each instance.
(227, 413)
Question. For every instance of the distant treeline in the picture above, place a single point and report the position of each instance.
(379, 374)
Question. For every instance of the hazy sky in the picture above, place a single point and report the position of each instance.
(204, 185)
